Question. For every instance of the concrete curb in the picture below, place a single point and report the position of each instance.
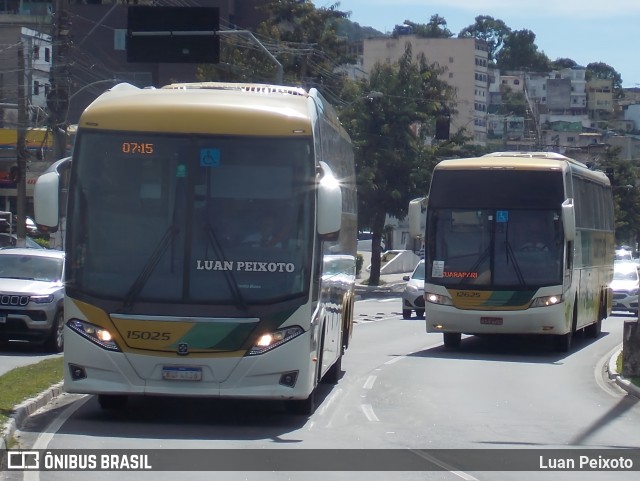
(25, 409)
(618, 379)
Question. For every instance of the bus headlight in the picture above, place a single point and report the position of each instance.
(546, 301)
(271, 340)
(438, 299)
(96, 334)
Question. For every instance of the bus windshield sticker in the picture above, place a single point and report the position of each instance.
(181, 171)
(209, 157)
(438, 269)
(246, 266)
(461, 275)
(502, 216)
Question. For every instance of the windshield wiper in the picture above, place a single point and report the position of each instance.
(516, 266)
(228, 275)
(149, 266)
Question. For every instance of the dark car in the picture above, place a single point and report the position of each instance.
(32, 296)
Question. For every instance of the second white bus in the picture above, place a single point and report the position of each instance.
(517, 243)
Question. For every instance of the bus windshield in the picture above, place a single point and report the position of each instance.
(488, 237)
(497, 248)
(192, 219)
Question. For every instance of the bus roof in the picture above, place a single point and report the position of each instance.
(246, 109)
(523, 161)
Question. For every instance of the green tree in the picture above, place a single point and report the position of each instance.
(304, 40)
(436, 28)
(520, 52)
(600, 70)
(388, 117)
(491, 30)
(626, 197)
(561, 63)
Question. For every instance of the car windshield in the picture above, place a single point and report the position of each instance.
(168, 217)
(419, 272)
(36, 268)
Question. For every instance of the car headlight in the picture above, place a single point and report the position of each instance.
(438, 299)
(96, 334)
(547, 301)
(413, 290)
(633, 292)
(42, 299)
(271, 340)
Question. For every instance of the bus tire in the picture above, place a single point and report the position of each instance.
(406, 313)
(452, 339)
(112, 402)
(347, 323)
(303, 407)
(334, 373)
(563, 341)
(593, 330)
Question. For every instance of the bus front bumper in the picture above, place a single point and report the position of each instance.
(539, 320)
(90, 369)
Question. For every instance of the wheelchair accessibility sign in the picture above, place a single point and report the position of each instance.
(209, 157)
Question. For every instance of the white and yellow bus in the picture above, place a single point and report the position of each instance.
(211, 242)
(517, 243)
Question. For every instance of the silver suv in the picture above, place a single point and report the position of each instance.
(32, 296)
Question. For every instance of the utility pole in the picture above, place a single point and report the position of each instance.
(58, 98)
(21, 181)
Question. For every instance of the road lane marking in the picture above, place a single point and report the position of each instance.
(369, 382)
(325, 406)
(367, 409)
(443, 465)
(43, 440)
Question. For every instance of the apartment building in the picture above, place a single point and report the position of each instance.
(465, 68)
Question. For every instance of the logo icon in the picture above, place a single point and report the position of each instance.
(183, 349)
(23, 460)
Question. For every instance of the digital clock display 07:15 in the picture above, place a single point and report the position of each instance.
(137, 148)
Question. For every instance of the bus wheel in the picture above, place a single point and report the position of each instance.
(303, 407)
(452, 339)
(563, 341)
(334, 373)
(112, 402)
(593, 330)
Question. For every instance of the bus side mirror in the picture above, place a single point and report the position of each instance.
(46, 197)
(569, 220)
(417, 217)
(329, 211)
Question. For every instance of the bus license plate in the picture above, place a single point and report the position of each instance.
(492, 321)
(181, 373)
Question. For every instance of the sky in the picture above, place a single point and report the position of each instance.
(583, 30)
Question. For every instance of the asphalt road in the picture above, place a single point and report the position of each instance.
(400, 389)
